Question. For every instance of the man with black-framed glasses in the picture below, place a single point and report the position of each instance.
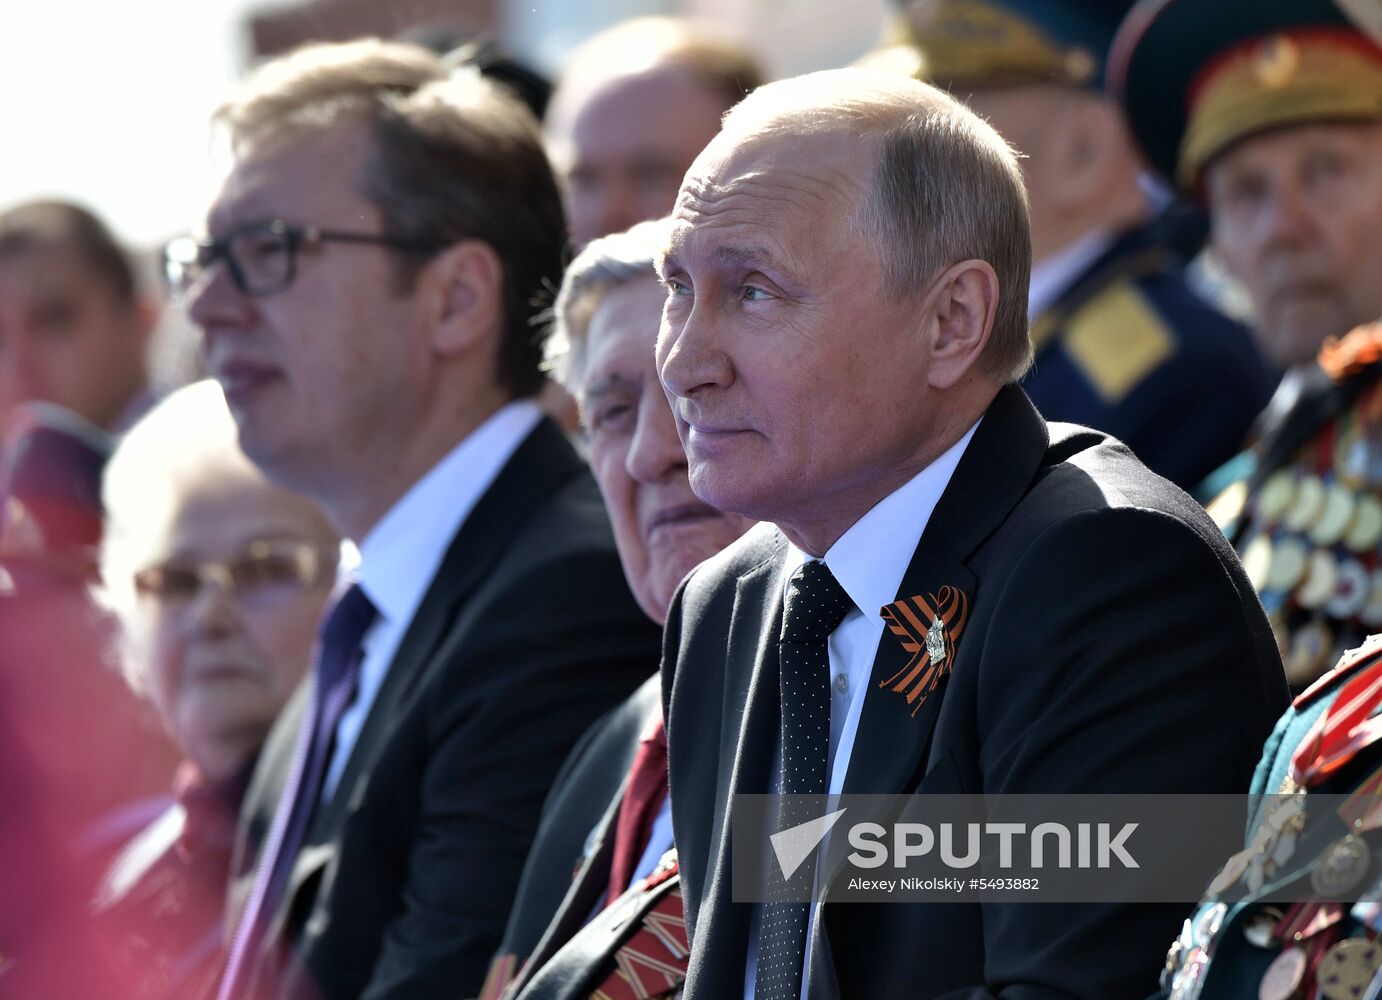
(366, 290)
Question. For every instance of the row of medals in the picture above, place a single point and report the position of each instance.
(1349, 969)
(1312, 557)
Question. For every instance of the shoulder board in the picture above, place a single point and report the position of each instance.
(1117, 339)
(1367, 657)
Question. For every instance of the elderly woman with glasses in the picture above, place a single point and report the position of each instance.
(217, 580)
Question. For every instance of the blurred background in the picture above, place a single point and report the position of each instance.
(107, 101)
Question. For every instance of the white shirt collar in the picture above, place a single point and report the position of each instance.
(871, 558)
(1055, 273)
(401, 554)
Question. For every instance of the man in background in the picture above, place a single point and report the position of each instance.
(74, 328)
(74, 335)
(631, 110)
(366, 295)
(1272, 114)
(1123, 343)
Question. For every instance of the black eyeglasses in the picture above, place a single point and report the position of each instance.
(262, 258)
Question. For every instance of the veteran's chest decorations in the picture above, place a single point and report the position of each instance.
(1307, 888)
(1310, 537)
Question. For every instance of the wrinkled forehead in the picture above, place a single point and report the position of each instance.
(776, 179)
(1288, 145)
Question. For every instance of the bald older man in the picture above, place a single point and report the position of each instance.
(846, 322)
(633, 107)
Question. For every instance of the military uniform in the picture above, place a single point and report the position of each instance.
(1304, 510)
(1295, 914)
(1307, 520)
(1131, 349)
(1124, 344)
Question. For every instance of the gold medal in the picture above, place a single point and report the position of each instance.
(1335, 518)
(1321, 581)
(1310, 648)
(1347, 968)
(1276, 496)
(1308, 505)
(1257, 560)
(1289, 558)
(1283, 978)
(1230, 874)
(1225, 509)
(1341, 868)
(1351, 593)
(1366, 530)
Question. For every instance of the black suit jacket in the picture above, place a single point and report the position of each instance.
(577, 835)
(568, 868)
(526, 634)
(1113, 644)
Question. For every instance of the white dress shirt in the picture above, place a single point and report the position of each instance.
(869, 561)
(402, 553)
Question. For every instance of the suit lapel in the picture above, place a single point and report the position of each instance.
(751, 680)
(539, 466)
(891, 743)
(590, 881)
(995, 472)
(892, 746)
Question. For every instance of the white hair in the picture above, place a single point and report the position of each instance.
(604, 265)
(187, 438)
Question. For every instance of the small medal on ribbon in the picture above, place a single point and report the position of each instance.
(928, 626)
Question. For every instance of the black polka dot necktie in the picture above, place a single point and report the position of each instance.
(816, 604)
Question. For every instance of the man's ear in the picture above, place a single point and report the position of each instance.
(965, 298)
(462, 289)
(1088, 151)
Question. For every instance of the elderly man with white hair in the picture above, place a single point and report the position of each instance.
(570, 936)
(846, 321)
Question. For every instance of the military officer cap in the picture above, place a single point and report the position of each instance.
(1197, 76)
(966, 44)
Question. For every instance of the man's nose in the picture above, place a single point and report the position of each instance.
(655, 449)
(215, 303)
(212, 612)
(1287, 217)
(690, 356)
